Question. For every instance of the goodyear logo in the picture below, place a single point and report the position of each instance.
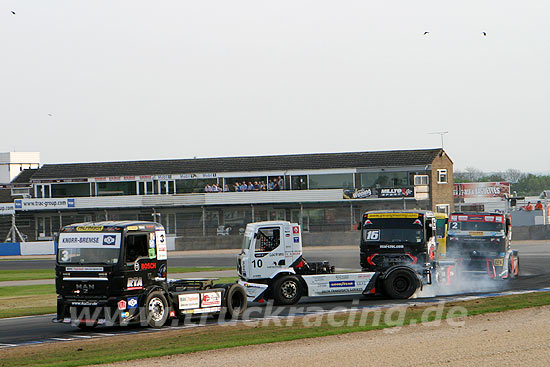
(476, 233)
(342, 284)
(393, 215)
(498, 262)
(89, 228)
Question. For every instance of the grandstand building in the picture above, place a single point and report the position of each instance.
(325, 192)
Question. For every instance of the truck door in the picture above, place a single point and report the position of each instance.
(141, 266)
(269, 254)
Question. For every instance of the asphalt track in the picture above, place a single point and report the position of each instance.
(535, 274)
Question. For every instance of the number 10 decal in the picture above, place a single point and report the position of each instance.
(372, 235)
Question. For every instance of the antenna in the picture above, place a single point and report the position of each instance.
(440, 133)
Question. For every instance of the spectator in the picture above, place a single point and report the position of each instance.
(237, 186)
(243, 186)
(215, 188)
(276, 186)
(207, 188)
(262, 186)
(225, 188)
(270, 185)
(538, 205)
(250, 186)
(281, 183)
(256, 186)
(529, 206)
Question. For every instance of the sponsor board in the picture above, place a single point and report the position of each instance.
(395, 193)
(7, 209)
(392, 215)
(188, 301)
(88, 240)
(36, 204)
(89, 228)
(482, 190)
(211, 299)
(162, 253)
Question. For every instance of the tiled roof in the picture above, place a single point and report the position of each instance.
(394, 158)
(25, 176)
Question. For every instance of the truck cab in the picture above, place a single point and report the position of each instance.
(108, 268)
(390, 238)
(481, 243)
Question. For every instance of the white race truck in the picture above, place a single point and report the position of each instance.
(271, 266)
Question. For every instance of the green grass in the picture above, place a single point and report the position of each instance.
(28, 274)
(139, 346)
(27, 300)
(36, 274)
(27, 290)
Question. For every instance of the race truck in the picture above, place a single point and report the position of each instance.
(271, 265)
(480, 244)
(116, 273)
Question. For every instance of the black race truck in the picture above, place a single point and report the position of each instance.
(401, 246)
(115, 272)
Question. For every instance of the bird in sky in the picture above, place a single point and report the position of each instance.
(425, 33)
(484, 33)
(13, 12)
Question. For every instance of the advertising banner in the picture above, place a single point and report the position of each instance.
(379, 193)
(33, 204)
(482, 190)
(6, 209)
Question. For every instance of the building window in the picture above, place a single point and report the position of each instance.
(116, 188)
(441, 176)
(331, 181)
(421, 180)
(70, 190)
(442, 208)
(384, 179)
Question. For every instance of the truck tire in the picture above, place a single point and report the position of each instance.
(156, 309)
(400, 284)
(234, 301)
(287, 290)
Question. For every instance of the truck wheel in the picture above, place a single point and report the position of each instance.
(400, 284)
(156, 309)
(287, 290)
(235, 300)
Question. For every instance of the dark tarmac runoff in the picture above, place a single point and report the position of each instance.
(534, 274)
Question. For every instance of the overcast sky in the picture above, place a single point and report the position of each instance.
(126, 80)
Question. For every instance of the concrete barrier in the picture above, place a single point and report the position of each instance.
(9, 248)
(232, 242)
(523, 233)
(38, 248)
(27, 248)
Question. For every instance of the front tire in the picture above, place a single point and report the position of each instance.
(287, 290)
(400, 284)
(156, 309)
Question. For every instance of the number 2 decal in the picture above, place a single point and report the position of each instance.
(372, 235)
(454, 225)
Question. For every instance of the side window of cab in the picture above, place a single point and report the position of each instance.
(267, 239)
(136, 247)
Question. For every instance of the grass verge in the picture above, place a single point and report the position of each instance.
(139, 346)
(36, 274)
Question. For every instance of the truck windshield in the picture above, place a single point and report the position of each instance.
(399, 228)
(477, 226)
(88, 248)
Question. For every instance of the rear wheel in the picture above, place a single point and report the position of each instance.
(156, 309)
(400, 284)
(287, 290)
(234, 300)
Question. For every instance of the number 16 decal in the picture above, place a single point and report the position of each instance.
(372, 235)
